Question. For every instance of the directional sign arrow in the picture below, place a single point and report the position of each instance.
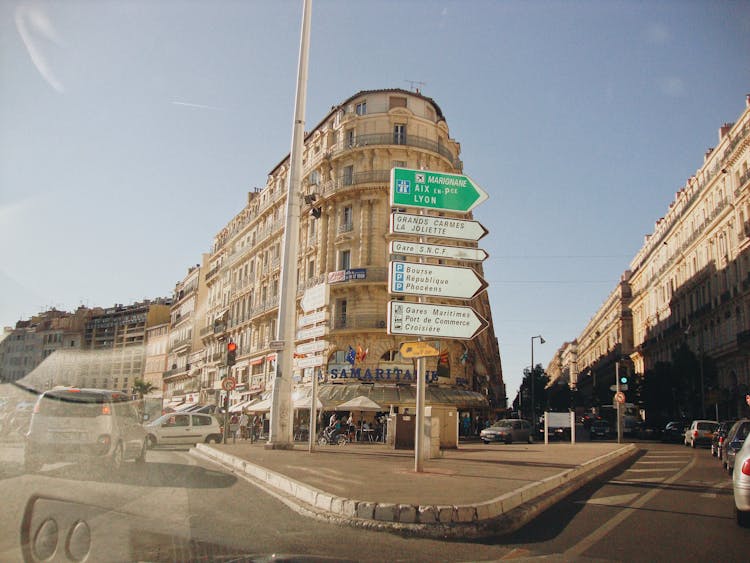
(433, 280)
(440, 321)
(441, 227)
(434, 190)
(438, 251)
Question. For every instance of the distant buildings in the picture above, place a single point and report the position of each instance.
(686, 294)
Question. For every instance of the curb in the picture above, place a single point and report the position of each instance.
(501, 515)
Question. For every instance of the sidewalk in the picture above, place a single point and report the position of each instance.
(473, 491)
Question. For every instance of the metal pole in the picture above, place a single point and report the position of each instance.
(313, 425)
(619, 404)
(531, 380)
(419, 432)
(419, 427)
(703, 392)
(280, 430)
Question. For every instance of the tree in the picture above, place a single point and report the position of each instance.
(540, 380)
(141, 388)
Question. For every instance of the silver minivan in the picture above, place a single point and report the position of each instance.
(84, 425)
(179, 428)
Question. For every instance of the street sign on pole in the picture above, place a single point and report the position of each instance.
(310, 362)
(228, 383)
(311, 319)
(437, 251)
(315, 297)
(621, 387)
(433, 280)
(442, 227)
(314, 332)
(439, 321)
(619, 397)
(311, 347)
(417, 350)
(434, 190)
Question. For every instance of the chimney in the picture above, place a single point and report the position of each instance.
(724, 129)
(707, 154)
(747, 101)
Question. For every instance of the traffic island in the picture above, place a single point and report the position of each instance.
(500, 515)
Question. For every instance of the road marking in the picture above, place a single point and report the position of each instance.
(610, 501)
(641, 480)
(654, 469)
(655, 462)
(586, 543)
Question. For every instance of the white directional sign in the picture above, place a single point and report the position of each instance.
(435, 281)
(310, 362)
(314, 332)
(311, 347)
(440, 321)
(442, 227)
(438, 251)
(315, 297)
(311, 319)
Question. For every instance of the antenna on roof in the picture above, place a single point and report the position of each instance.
(415, 84)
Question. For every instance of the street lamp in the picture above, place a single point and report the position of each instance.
(533, 404)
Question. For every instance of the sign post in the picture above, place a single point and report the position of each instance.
(436, 191)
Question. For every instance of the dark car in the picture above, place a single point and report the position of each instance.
(719, 436)
(599, 429)
(733, 442)
(674, 431)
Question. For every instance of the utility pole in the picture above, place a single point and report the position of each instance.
(619, 404)
(280, 431)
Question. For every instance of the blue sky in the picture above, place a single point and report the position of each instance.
(130, 133)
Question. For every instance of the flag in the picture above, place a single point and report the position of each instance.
(443, 364)
(351, 355)
(361, 354)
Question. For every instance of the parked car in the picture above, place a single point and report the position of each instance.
(183, 428)
(93, 426)
(721, 433)
(700, 433)
(599, 429)
(733, 442)
(508, 431)
(674, 431)
(741, 485)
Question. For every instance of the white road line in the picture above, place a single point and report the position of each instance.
(594, 537)
(639, 480)
(655, 469)
(656, 462)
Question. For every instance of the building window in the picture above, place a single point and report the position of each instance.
(398, 164)
(396, 102)
(346, 219)
(341, 307)
(399, 134)
(350, 139)
(314, 177)
(310, 269)
(348, 175)
(361, 108)
(345, 259)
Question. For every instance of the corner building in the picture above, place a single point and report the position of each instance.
(343, 243)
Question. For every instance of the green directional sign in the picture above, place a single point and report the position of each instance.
(434, 190)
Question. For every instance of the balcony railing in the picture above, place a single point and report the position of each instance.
(375, 139)
(358, 321)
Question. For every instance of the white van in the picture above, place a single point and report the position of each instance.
(178, 428)
(84, 425)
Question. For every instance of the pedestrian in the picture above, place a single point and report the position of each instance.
(243, 426)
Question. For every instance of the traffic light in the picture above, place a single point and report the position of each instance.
(231, 353)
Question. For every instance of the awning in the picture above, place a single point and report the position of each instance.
(260, 406)
(332, 395)
(239, 406)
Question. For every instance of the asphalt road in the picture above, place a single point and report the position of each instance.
(670, 504)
